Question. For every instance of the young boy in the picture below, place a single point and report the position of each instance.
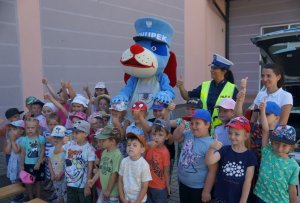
(226, 113)
(36, 109)
(158, 158)
(140, 125)
(80, 156)
(109, 164)
(134, 173)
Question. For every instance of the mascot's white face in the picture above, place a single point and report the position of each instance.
(145, 58)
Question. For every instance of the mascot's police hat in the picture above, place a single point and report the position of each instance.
(154, 29)
(221, 62)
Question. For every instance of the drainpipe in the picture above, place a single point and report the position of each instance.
(225, 17)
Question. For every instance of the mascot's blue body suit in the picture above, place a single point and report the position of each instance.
(149, 65)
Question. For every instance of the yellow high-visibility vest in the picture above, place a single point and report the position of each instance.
(227, 92)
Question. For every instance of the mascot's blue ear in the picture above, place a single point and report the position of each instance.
(170, 69)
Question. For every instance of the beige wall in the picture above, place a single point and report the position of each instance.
(204, 35)
(30, 48)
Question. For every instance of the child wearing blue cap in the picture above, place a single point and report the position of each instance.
(195, 177)
(278, 174)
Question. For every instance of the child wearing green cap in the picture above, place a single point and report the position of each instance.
(110, 161)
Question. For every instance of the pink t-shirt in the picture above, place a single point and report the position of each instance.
(61, 115)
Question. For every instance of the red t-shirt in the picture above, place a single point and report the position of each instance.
(158, 159)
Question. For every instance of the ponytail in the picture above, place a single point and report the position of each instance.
(229, 76)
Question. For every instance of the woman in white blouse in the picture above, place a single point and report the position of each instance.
(272, 78)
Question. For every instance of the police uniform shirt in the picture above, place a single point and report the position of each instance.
(213, 93)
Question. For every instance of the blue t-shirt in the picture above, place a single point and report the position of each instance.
(231, 173)
(222, 133)
(192, 169)
(32, 147)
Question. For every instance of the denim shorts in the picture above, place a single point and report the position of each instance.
(157, 195)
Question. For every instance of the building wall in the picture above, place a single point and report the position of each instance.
(246, 19)
(10, 83)
(204, 35)
(82, 41)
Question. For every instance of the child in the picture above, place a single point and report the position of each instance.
(100, 89)
(140, 125)
(158, 158)
(195, 177)
(278, 174)
(163, 111)
(118, 113)
(236, 163)
(102, 103)
(12, 114)
(109, 164)
(28, 103)
(190, 107)
(17, 129)
(56, 163)
(36, 109)
(80, 156)
(225, 113)
(76, 116)
(48, 108)
(32, 155)
(52, 121)
(134, 173)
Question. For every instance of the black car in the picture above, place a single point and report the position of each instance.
(283, 48)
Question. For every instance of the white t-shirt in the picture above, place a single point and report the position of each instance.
(77, 158)
(134, 173)
(280, 97)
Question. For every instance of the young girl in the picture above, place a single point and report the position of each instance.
(278, 174)
(17, 129)
(32, 155)
(158, 158)
(236, 163)
(48, 108)
(102, 103)
(118, 120)
(56, 163)
(195, 177)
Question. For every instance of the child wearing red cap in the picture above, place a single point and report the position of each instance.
(236, 163)
(140, 125)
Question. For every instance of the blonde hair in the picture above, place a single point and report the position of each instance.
(35, 122)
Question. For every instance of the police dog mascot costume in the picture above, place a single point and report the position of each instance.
(150, 67)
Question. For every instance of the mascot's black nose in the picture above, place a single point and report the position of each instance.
(136, 49)
(68, 162)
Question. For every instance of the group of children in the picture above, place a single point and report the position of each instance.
(82, 147)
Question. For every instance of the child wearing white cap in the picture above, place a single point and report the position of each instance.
(57, 163)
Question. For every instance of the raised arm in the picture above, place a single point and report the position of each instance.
(177, 134)
(264, 123)
(71, 90)
(49, 88)
(86, 89)
(183, 92)
(56, 103)
(240, 98)
(213, 155)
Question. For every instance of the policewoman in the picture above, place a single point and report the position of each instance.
(213, 91)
